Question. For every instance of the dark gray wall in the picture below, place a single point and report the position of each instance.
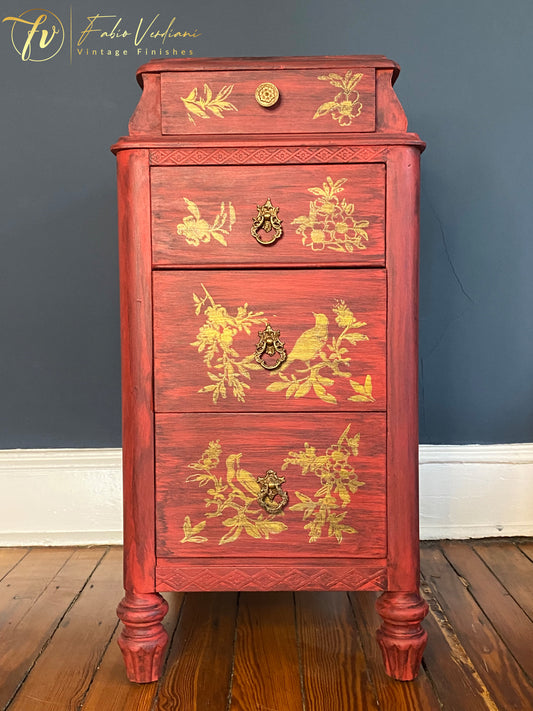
(466, 88)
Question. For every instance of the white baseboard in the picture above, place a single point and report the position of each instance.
(74, 496)
(476, 491)
(55, 497)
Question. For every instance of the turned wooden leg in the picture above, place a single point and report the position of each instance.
(143, 638)
(401, 637)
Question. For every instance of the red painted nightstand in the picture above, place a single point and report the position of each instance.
(268, 214)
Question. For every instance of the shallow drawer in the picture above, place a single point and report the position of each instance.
(209, 356)
(309, 101)
(327, 487)
(327, 213)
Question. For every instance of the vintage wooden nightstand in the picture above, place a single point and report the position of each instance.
(268, 213)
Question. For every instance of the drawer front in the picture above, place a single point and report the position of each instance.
(328, 497)
(209, 356)
(326, 213)
(310, 101)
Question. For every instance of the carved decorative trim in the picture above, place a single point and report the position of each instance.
(265, 154)
(194, 578)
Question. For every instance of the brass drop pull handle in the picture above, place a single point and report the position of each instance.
(269, 344)
(267, 219)
(271, 496)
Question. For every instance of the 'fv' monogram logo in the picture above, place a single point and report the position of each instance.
(37, 35)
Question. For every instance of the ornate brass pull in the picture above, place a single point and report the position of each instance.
(267, 94)
(268, 220)
(270, 345)
(269, 491)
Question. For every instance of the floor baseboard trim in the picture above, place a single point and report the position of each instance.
(57, 497)
(60, 497)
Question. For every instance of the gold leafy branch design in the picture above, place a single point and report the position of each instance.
(363, 392)
(197, 230)
(203, 106)
(235, 496)
(346, 105)
(317, 354)
(338, 481)
(225, 368)
(331, 223)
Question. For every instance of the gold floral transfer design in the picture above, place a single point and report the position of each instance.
(346, 105)
(331, 223)
(338, 480)
(314, 353)
(225, 368)
(208, 105)
(234, 494)
(197, 230)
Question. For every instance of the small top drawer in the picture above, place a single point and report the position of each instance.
(197, 99)
(292, 101)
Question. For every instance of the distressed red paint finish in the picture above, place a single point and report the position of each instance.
(203, 336)
(341, 152)
(203, 420)
(288, 574)
(245, 446)
(223, 102)
(344, 206)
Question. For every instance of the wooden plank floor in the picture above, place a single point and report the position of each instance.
(267, 651)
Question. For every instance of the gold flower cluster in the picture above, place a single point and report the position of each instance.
(331, 223)
(197, 230)
(338, 480)
(226, 369)
(346, 105)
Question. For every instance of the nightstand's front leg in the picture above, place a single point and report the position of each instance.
(143, 639)
(401, 636)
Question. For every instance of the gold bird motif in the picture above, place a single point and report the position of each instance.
(244, 478)
(310, 343)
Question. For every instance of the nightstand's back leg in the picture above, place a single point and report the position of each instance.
(401, 636)
(143, 639)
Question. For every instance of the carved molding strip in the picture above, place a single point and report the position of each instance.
(265, 154)
(268, 578)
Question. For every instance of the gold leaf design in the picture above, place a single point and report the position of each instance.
(204, 106)
(317, 354)
(225, 368)
(190, 531)
(236, 496)
(197, 230)
(330, 223)
(338, 481)
(346, 105)
(363, 393)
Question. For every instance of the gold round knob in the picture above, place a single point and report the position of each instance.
(267, 94)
